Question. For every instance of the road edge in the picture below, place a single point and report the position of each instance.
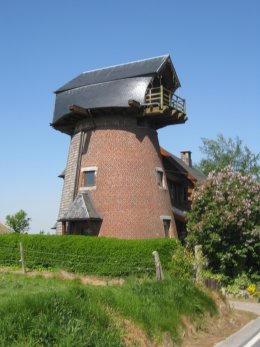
(242, 336)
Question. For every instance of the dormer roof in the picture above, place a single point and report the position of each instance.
(82, 208)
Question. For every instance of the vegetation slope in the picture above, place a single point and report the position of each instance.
(53, 312)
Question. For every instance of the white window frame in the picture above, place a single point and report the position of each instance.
(86, 169)
(166, 217)
(162, 186)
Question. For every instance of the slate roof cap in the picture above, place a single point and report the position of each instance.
(140, 68)
(82, 208)
(62, 174)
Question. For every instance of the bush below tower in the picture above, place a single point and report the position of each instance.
(87, 255)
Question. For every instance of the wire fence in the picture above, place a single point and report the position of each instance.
(29, 259)
(112, 266)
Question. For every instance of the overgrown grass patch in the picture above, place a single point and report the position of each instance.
(53, 312)
(58, 314)
(158, 306)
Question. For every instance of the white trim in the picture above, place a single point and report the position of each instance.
(89, 168)
(165, 217)
(83, 189)
(162, 186)
(157, 168)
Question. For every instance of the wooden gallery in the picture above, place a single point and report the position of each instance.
(118, 182)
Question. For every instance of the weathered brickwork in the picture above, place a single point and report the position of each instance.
(68, 191)
(127, 194)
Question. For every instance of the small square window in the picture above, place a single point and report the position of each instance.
(160, 178)
(166, 226)
(89, 178)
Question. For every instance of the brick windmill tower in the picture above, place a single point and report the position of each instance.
(114, 181)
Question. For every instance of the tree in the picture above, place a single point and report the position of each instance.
(224, 217)
(19, 222)
(222, 152)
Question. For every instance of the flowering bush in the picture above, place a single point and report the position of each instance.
(251, 288)
(223, 219)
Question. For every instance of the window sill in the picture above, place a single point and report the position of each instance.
(83, 189)
(163, 188)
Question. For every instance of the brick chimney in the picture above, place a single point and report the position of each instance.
(186, 157)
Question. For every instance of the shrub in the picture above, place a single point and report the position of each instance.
(82, 254)
(225, 210)
(238, 286)
(222, 279)
(182, 264)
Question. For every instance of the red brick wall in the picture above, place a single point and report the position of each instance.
(127, 194)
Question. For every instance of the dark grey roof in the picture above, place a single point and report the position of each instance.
(108, 94)
(82, 208)
(117, 72)
(197, 174)
(191, 170)
(62, 174)
(113, 86)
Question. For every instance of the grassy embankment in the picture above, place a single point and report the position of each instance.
(53, 312)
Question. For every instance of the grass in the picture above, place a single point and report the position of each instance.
(53, 312)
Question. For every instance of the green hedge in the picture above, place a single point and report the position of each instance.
(89, 255)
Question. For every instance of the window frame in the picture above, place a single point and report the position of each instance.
(161, 182)
(167, 233)
(83, 171)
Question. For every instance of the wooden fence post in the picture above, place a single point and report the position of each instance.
(22, 258)
(158, 266)
(198, 264)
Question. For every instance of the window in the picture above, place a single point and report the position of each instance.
(166, 225)
(88, 178)
(160, 178)
(178, 193)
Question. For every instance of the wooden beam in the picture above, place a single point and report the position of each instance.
(79, 110)
(134, 103)
(63, 228)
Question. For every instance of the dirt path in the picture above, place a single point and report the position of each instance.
(93, 280)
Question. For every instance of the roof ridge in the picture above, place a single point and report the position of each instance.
(130, 62)
(190, 169)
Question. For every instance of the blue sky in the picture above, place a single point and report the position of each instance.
(214, 45)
